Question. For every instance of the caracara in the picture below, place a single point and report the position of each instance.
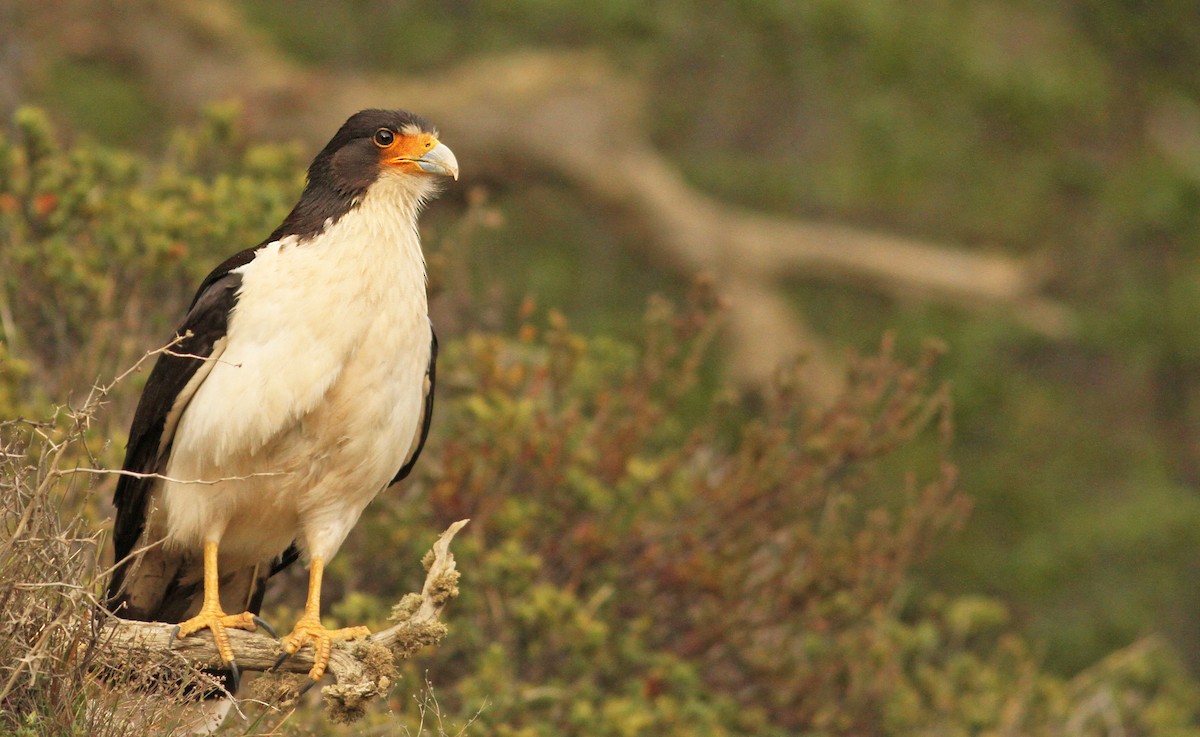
(299, 387)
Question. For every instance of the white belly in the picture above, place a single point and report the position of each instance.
(312, 407)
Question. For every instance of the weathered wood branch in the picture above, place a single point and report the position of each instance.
(363, 669)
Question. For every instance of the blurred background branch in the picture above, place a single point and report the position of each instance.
(572, 116)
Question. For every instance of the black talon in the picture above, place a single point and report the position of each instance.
(174, 634)
(282, 658)
(235, 676)
(260, 622)
(306, 688)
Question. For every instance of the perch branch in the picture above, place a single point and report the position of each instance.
(363, 668)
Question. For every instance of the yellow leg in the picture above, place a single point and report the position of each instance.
(211, 615)
(309, 628)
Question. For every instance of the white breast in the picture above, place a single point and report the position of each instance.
(316, 398)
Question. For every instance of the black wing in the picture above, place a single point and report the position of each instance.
(426, 414)
(167, 392)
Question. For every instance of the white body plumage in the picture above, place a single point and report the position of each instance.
(314, 397)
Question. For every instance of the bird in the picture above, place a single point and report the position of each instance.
(298, 386)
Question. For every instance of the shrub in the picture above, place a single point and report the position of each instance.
(649, 554)
(56, 676)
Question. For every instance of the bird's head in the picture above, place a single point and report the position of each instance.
(393, 154)
(383, 145)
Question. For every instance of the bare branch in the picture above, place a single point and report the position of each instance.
(137, 366)
(364, 669)
(139, 475)
(214, 359)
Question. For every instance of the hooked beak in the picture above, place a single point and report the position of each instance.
(439, 160)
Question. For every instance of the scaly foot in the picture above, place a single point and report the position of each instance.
(213, 618)
(309, 629)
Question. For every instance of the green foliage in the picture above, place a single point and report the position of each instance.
(1063, 130)
(646, 555)
(626, 568)
(99, 252)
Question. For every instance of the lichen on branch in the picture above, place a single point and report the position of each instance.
(363, 669)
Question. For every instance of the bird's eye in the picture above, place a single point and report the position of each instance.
(384, 138)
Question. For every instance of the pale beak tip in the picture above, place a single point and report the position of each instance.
(440, 160)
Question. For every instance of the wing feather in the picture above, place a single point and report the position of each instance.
(426, 413)
(174, 379)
